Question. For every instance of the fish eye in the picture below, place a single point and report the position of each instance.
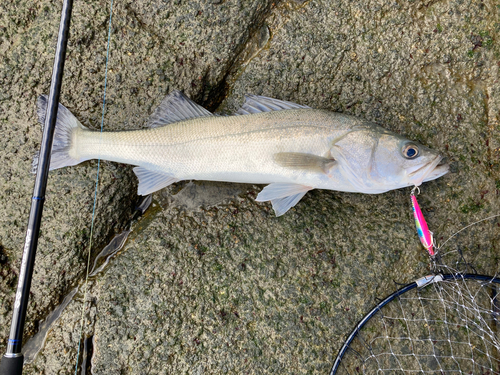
(410, 151)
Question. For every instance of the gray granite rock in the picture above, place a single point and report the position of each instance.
(209, 280)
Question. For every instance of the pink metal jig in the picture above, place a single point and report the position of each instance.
(423, 231)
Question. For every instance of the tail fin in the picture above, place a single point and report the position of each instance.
(65, 124)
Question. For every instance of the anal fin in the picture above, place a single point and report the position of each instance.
(151, 181)
(283, 196)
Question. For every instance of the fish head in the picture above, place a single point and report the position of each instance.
(376, 160)
(407, 163)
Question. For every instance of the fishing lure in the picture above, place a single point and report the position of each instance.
(425, 235)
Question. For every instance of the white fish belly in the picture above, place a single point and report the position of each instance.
(233, 148)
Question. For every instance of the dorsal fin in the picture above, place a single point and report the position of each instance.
(174, 108)
(258, 104)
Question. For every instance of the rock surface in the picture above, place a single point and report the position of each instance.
(209, 280)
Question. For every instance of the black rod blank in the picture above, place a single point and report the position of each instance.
(12, 361)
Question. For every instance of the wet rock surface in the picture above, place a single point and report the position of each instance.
(210, 281)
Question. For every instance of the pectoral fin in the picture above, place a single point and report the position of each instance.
(310, 162)
(282, 196)
(151, 181)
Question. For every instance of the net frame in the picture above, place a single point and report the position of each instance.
(458, 294)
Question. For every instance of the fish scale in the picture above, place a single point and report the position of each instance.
(204, 147)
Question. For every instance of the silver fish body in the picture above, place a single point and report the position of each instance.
(291, 147)
(229, 148)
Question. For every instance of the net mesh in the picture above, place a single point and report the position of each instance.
(445, 327)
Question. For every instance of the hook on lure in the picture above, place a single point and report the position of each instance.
(425, 235)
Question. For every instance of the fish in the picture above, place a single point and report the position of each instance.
(292, 148)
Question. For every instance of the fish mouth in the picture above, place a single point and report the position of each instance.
(430, 171)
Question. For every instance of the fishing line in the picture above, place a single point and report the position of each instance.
(82, 319)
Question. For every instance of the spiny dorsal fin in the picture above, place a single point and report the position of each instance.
(258, 104)
(308, 162)
(174, 108)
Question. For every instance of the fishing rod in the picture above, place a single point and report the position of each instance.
(12, 361)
